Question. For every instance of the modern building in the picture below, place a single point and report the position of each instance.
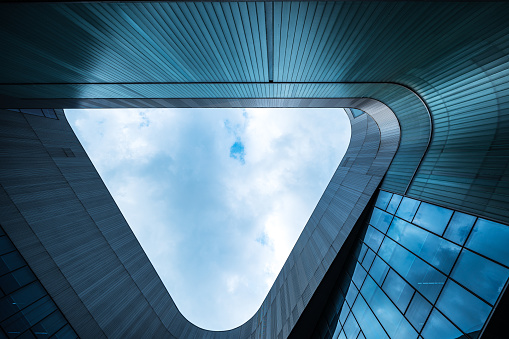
(410, 238)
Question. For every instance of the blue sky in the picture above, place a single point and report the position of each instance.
(216, 197)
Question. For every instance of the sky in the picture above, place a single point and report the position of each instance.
(216, 197)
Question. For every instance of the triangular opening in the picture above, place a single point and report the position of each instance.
(216, 197)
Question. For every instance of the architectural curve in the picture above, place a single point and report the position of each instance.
(452, 55)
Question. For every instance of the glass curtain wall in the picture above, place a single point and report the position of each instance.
(419, 271)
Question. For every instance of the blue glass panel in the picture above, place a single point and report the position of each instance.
(380, 219)
(6, 245)
(358, 275)
(379, 270)
(398, 290)
(368, 259)
(418, 273)
(480, 275)
(432, 218)
(344, 312)
(491, 239)
(351, 327)
(438, 326)
(361, 336)
(65, 333)
(351, 294)
(367, 320)
(342, 335)
(383, 200)
(373, 238)
(459, 227)
(16, 279)
(388, 315)
(407, 208)
(418, 311)
(393, 205)
(463, 308)
(435, 250)
(356, 112)
(13, 261)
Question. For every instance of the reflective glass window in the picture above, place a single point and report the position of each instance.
(342, 335)
(16, 279)
(336, 332)
(368, 259)
(379, 270)
(65, 332)
(418, 273)
(358, 275)
(380, 219)
(438, 326)
(373, 238)
(459, 227)
(367, 320)
(344, 312)
(432, 218)
(480, 275)
(435, 250)
(463, 308)
(407, 208)
(361, 336)
(418, 311)
(388, 315)
(5, 245)
(351, 327)
(352, 293)
(394, 203)
(398, 290)
(12, 261)
(383, 199)
(491, 239)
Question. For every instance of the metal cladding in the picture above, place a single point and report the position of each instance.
(431, 76)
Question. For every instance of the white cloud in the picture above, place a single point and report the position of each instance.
(216, 230)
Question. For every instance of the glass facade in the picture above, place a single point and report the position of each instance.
(26, 309)
(418, 271)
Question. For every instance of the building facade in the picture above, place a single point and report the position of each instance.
(410, 237)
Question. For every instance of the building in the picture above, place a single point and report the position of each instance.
(410, 237)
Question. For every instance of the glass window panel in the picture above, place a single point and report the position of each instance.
(351, 294)
(373, 238)
(379, 270)
(16, 279)
(490, 239)
(418, 311)
(463, 308)
(398, 290)
(344, 312)
(383, 199)
(358, 275)
(27, 295)
(6, 245)
(15, 325)
(38, 310)
(459, 227)
(362, 253)
(367, 320)
(351, 327)
(438, 326)
(65, 332)
(407, 208)
(361, 336)
(342, 335)
(432, 218)
(13, 260)
(418, 273)
(435, 250)
(388, 315)
(49, 325)
(336, 332)
(380, 219)
(368, 259)
(393, 205)
(480, 275)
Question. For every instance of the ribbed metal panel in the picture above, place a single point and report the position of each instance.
(79, 225)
